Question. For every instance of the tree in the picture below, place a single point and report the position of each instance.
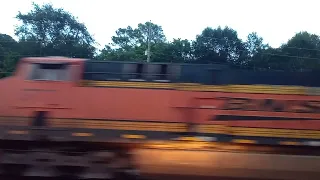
(9, 54)
(119, 54)
(128, 37)
(8, 63)
(8, 43)
(254, 44)
(256, 52)
(219, 46)
(131, 44)
(51, 31)
(303, 50)
(181, 51)
(267, 59)
(300, 53)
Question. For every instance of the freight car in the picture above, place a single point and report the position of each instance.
(66, 115)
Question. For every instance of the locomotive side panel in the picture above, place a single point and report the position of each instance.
(221, 105)
(122, 104)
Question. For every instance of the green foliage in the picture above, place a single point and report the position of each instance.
(305, 48)
(48, 31)
(130, 44)
(219, 46)
(127, 38)
(254, 44)
(9, 54)
(180, 51)
(54, 32)
(8, 64)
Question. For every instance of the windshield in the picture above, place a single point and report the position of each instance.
(50, 72)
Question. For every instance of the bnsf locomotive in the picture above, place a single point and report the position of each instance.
(58, 109)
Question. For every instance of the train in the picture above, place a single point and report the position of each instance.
(63, 116)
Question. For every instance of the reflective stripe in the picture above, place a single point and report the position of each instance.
(265, 89)
(244, 141)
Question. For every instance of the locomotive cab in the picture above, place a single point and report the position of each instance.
(39, 84)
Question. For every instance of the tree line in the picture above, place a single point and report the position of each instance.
(49, 31)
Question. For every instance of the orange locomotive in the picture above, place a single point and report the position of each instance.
(67, 100)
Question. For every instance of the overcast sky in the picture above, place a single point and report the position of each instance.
(275, 20)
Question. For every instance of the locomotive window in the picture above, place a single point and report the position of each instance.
(50, 72)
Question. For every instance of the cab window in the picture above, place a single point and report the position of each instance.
(50, 72)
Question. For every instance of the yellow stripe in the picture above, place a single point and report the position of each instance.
(298, 90)
(195, 139)
(133, 136)
(177, 145)
(291, 143)
(118, 125)
(82, 134)
(245, 141)
(270, 132)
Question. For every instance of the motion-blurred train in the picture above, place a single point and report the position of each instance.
(54, 106)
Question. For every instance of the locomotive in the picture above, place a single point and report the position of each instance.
(60, 115)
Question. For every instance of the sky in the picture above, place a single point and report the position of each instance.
(275, 20)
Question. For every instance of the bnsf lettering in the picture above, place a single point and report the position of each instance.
(236, 103)
(274, 105)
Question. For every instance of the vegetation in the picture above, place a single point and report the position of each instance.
(48, 31)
